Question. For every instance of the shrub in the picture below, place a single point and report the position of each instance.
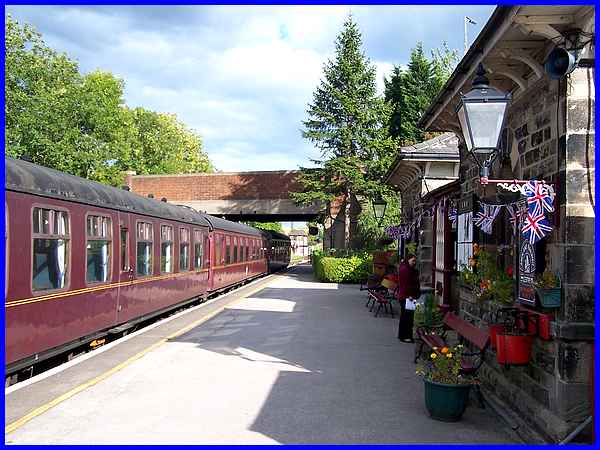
(350, 269)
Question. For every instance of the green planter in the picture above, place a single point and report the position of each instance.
(549, 298)
(446, 402)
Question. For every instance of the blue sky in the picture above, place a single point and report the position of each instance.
(241, 76)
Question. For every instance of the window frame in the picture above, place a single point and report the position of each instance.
(189, 245)
(172, 241)
(123, 226)
(110, 247)
(33, 236)
(151, 241)
(194, 243)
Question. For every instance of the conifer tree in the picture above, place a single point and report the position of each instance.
(347, 121)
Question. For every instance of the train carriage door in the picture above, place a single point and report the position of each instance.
(126, 259)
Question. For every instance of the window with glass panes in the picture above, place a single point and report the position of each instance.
(166, 248)
(51, 239)
(98, 249)
(145, 241)
(198, 249)
(184, 249)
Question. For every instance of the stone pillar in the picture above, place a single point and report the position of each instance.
(574, 328)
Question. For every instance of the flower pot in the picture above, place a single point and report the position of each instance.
(513, 349)
(549, 298)
(494, 329)
(446, 402)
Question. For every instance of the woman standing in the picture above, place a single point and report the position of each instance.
(408, 288)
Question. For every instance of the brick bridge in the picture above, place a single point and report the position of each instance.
(259, 196)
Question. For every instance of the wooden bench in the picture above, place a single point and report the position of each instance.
(467, 333)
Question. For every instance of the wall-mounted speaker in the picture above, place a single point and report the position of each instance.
(560, 62)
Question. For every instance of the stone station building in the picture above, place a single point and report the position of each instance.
(549, 135)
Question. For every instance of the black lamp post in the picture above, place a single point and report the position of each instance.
(379, 206)
(481, 114)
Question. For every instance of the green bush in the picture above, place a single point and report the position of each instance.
(351, 269)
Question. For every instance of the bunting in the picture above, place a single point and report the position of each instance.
(540, 197)
(536, 227)
(485, 218)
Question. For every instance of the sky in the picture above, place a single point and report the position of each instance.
(240, 76)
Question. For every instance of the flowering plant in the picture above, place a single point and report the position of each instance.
(486, 279)
(443, 365)
(547, 280)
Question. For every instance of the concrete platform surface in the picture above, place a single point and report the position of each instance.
(296, 362)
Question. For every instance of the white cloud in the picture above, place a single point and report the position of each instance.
(241, 76)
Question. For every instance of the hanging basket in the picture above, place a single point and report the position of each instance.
(550, 297)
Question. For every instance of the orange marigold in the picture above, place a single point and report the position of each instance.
(445, 350)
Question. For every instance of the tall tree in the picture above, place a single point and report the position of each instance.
(348, 123)
(410, 91)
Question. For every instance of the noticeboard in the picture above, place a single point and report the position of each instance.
(526, 273)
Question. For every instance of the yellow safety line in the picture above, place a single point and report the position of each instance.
(51, 404)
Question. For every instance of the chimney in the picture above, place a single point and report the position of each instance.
(129, 174)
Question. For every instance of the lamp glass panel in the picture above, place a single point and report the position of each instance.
(486, 122)
(379, 210)
(464, 127)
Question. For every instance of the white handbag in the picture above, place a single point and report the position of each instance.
(411, 304)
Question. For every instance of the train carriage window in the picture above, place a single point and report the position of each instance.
(241, 251)
(218, 250)
(98, 249)
(206, 250)
(227, 250)
(124, 249)
(145, 240)
(235, 250)
(166, 249)
(50, 249)
(198, 250)
(247, 252)
(184, 249)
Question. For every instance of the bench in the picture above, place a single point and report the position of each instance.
(467, 332)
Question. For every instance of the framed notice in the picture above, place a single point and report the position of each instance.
(526, 273)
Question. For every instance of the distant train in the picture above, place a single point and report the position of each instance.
(84, 259)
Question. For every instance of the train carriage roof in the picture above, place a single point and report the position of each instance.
(23, 176)
(225, 225)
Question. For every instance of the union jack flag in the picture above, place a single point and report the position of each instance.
(540, 197)
(453, 215)
(485, 218)
(514, 214)
(536, 227)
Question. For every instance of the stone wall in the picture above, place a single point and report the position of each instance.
(551, 137)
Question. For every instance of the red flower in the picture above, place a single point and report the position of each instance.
(509, 271)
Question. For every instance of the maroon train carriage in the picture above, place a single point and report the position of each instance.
(237, 253)
(84, 259)
(279, 250)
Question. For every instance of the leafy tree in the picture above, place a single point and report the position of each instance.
(369, 231)
(79, 124)
(269, 226)
(348, 123)
(411, 91)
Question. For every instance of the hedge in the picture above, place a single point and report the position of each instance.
(350, 269)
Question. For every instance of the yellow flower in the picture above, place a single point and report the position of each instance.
(433, 355)
(445, 350)
(449, 355)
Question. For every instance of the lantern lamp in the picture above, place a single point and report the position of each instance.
(379, 206)
(481, 113)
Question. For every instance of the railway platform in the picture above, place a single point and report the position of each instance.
(283, 360)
